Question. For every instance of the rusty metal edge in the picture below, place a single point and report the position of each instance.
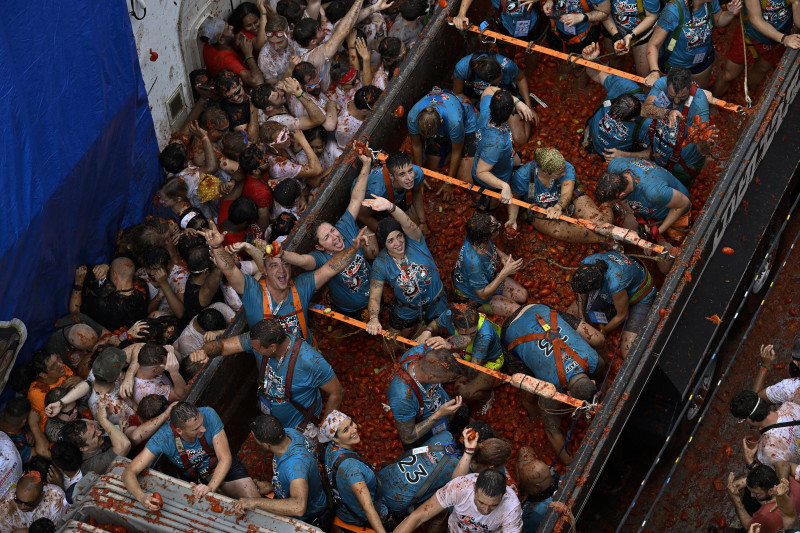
(723, 201)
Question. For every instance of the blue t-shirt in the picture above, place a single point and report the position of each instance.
(533, 513)
(486, 345)
(777, 13)
(478, 85)
(494, 147)
(458, 117)
(403, 400)
(566, 7)
(311, 372)
(401, 479)
(652, 187)
(665, 137)
(377, 186)
(694, 44)
(608, 133)
(350, 287)
(416, 281)
(474, 271)
(626, 12)
(538, 355)
(350, 472)
(542, 196)
(516, 18)
(163, 441)
(286, 314)
(299, 461)
(623, 274)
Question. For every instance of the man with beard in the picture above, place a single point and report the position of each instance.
(311, 82)
(277, 295)
(219, 53)
(769, 491)
(350, 288)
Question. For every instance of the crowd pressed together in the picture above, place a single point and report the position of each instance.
(285, 89)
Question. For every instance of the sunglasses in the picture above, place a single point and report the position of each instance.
(279, 34)
(314, 84)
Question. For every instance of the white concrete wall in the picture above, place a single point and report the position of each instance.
(169, 29)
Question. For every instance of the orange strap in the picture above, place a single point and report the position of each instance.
(350, 527)
(551, 335)
(563, 398)
(609, 230)
(530, 47)
(387, 180)
(298, 308)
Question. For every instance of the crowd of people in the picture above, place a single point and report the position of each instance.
(285, 89)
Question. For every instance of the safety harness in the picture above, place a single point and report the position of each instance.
(308, 414)
(334, 469)
(587, 139)
(467, 352)
(677, 148)
(676, 33)
(187, 465)
(551, 335)
(405, 375)
(575, 39)
(298, 307)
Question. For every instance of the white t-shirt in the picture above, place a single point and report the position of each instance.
(317, 57)
(10, 463)
(53, 506)
(275, 64)
(346, 127)
(291, 122)
(119, 410)
(146, 387)
(787, 390)
(781, 444)
(465, 517)
(191, 340)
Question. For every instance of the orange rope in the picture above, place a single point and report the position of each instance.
(563, 398)
(530, 47)
(608, 230)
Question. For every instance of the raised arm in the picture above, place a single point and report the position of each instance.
(313, 168)
(410, 227)
(315, 117)
(210, 163)
(252, 76)
(139, 434)
(470, 445)
(341, 30)
(76, 393)
(590, 53)
(222, 258)
(723, 18)
(767, 359)
(76, 296)
(360, 188)
(119, 441)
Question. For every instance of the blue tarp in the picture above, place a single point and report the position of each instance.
(79, 150)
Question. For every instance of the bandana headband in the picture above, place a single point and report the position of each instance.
(331, 425)
(188, 218)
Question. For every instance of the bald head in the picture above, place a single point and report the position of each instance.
(82, 337)
(122, 267)
(29, 488)
(533, 475)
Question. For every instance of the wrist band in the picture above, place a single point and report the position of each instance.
(123, 336)
(764, 367)
(585, 17)
(61, 402)
(264, 15)
(428, 330)
(77, 287)
(783, 39)
(248, 57)
(167, 289)
(393, 208)
(204, 138)
(618, 36)
(655, 70)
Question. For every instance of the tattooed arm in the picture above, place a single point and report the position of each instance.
(339, 260)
